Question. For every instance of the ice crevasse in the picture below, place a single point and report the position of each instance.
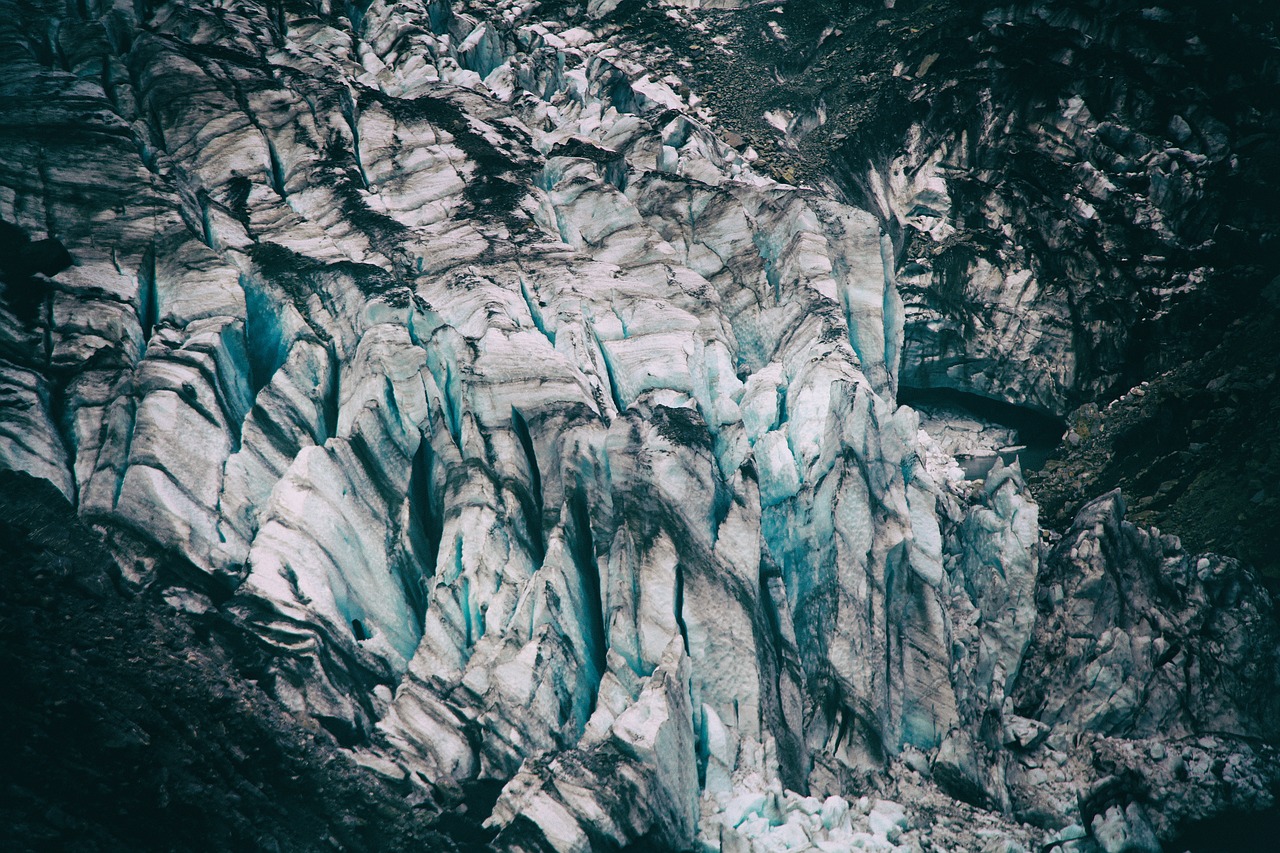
(536, 436)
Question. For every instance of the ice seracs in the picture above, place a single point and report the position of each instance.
(541, 441)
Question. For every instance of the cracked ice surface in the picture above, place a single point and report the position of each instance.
(519, 392)
(536, 436)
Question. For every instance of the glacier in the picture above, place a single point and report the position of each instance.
(538, 439)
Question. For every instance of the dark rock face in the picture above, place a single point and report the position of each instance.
(1199, 617)
(1138, 642)
(445, 411)
(1113, 154)
(1194, 449)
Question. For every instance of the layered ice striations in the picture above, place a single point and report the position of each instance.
(536, 437)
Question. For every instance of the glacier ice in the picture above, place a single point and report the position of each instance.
(538, 439)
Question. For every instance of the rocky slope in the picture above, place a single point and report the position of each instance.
(462, 386)
(130, 729)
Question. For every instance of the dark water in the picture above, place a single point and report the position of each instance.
(1038, 432)
(1031, 459)
(1035, 428)
(1233, 832)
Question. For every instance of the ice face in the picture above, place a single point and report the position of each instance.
(538, 438)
